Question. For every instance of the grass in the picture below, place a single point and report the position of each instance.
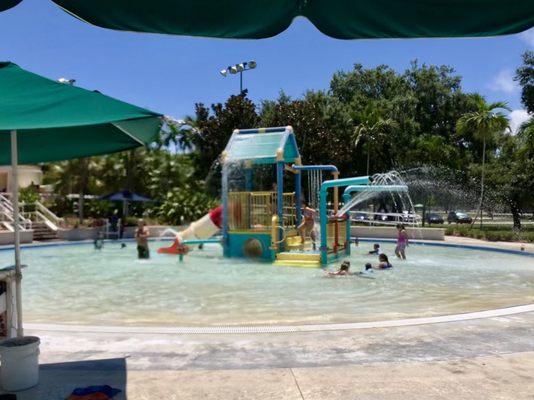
(501, 233)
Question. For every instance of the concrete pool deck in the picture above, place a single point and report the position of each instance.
(486, 357)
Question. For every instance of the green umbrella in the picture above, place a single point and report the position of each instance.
(344, 19)
(44, 120)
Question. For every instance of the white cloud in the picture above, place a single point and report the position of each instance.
(528, 37)
(504, 82)
(517, 117)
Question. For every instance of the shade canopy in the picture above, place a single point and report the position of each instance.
(344, 19)
(7, 4)
(125, 195)
(56, 121)
(262, 146)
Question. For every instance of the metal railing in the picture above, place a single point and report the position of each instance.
(37, 212)
(377, 218)
(254, 210)
(7, 215)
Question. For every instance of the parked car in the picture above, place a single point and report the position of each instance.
(433, 218)
(459, 217)
(359, 216)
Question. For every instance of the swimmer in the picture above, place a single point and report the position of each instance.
(123, 245)
(343, 269)
(368, 272)
(383, 262)
(376, 249)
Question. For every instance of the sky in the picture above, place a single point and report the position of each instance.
(169, 74)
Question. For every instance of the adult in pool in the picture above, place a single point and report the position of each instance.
(141, 236)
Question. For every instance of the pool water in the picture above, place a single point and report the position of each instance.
(76, 284)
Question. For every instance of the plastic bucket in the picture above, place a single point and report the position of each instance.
(20, 363)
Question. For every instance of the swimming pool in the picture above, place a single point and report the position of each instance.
(76, 284)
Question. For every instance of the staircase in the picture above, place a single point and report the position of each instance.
(44, 222)
(298, 255)
(298, 259)
(41, 231)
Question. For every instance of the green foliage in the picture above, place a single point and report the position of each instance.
(494, 233)
(184, 204)
(416, 118)
(525, 76)
(29, 195)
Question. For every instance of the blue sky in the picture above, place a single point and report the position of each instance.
(169, 73)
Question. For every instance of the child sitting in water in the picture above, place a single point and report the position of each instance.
(368, 273)
(383, 262)
(343, 269)
(376, 249)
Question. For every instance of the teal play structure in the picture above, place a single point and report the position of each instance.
(264, 223)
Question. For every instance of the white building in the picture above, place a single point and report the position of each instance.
(28, 174)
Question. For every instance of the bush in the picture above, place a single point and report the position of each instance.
(184, 204)
(494, 233)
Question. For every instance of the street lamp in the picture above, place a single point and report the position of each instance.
(67, 81)
(239, 69)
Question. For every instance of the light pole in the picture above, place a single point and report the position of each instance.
(239, 68)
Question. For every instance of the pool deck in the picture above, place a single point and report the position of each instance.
(489, 356)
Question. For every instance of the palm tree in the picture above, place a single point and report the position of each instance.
(485, 123)
(372, 128)
(76, 176)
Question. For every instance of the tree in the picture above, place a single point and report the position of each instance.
(211, 128)
(486, 122)
(372, 129)
(525, 77)
(76, 176)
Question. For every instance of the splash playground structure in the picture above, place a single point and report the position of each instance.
(262, 224)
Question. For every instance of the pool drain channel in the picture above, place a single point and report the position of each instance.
(259, 329)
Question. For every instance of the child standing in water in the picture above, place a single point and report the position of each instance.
(307, 226)
(402, 242)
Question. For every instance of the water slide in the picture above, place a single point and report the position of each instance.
(198, 232)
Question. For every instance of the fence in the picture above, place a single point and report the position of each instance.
(254, 210)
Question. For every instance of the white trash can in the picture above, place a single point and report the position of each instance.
(20, 363)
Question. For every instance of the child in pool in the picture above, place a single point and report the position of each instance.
(368, 272)
(383, 262)
(343, 269)
(376, 249)
(402, 242)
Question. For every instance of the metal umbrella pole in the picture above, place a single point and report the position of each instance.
(16, 229)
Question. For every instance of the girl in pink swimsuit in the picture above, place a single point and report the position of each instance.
(402, 242)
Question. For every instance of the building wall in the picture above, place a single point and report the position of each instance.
(28, 174)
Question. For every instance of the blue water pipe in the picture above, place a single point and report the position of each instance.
(362, 180)
(224, 195)
(280, 166)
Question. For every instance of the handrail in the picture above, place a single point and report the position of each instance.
(8, 212)
(53, 218)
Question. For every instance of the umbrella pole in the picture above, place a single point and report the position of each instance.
(16, 228)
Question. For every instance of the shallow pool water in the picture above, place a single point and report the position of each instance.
(76, 284)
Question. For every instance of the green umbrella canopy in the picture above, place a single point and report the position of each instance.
(7, 4)
(56, 121)
(344, 19)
